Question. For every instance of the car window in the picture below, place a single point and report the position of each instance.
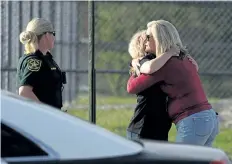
(16, 145)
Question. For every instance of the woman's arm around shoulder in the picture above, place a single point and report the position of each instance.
(154, 65)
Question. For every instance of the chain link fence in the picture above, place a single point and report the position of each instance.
(205, 28)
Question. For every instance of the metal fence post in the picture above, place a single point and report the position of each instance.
(91, 64)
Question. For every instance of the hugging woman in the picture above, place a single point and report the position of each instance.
(150, 119)
(188, 107)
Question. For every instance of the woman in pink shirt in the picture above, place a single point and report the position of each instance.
(196, 122)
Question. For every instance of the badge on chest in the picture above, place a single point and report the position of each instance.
(53, 68)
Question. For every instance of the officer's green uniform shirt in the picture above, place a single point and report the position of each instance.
(43, 74)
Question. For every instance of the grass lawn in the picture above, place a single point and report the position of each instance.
(117, 121)
(107, 100)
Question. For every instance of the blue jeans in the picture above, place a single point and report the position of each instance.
(199, 129)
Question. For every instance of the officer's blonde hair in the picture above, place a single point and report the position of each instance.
(136, 47)
(33, 33)
(165, 36)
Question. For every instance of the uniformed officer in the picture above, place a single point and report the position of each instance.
(39, 77)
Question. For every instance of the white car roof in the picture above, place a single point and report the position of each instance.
(67, 135)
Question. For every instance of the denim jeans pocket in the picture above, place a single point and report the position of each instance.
(203, 125)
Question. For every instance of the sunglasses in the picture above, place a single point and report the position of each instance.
(53, 33)
(148, 37)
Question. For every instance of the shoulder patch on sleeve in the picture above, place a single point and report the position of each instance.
(34, 64)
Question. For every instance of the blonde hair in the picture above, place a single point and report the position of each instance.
(137, 44)
(33, 33)
(165, 36)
